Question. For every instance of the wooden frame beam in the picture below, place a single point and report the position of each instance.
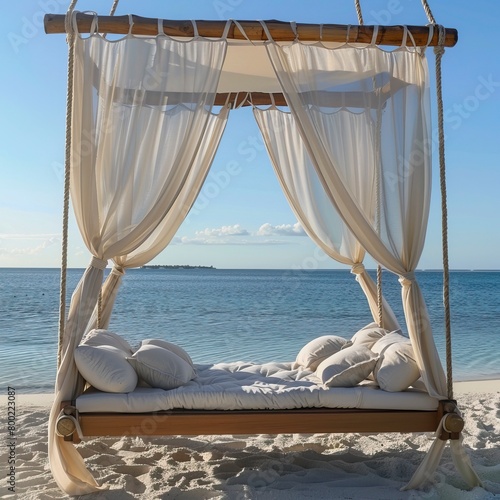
(238, 99)
(280, 31)
(211, 422)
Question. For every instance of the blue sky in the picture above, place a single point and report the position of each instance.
(242, 219)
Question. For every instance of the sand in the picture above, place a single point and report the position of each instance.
(291, 466)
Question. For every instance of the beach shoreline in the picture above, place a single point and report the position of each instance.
(269, 467)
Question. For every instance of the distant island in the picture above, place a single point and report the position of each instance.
(157, 266)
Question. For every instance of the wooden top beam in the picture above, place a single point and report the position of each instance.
(280, 31)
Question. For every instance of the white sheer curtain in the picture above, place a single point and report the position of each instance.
(310, 203)
(389, 89)
(166, 230)
(136, 154)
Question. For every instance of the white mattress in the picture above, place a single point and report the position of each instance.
(250, 386)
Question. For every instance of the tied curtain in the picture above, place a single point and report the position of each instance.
(166, 230)
(386, 92)
(309, 201)
(142, 140)
(352, 97)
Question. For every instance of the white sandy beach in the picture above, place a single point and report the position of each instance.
(292, 466)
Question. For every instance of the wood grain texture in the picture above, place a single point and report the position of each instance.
(314, 420)
(280, 31)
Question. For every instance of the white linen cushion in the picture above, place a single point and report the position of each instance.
(397, 369)
(170, 347)
(106, 368)
(318, 349)
(99, 337)
(347, 367)
(368, 335)
(387, 340)
(161, 367)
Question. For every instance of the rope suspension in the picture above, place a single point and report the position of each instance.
(70, 38)
(428, 12)
(358, 11)
(378, 188)
(379, 296)
(439, 51)
(113, 8)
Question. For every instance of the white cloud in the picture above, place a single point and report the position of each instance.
(225, 235)
(184, 240)
(48, 240)
(223, 231)
(13, 236)
(281, 230)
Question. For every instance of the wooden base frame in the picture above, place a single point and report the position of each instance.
(211, 422)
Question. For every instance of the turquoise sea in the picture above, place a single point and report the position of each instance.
(229, 315)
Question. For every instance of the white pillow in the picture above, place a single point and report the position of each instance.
(160, 367)
(106, 368)
(317, 350)
(105, 337)
(347, 367)
(397, 368)
(387, 340)
(170, 347)
(368, 335)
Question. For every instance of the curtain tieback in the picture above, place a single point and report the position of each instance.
(358, 268)
(118, 270)
(98, 263)
(406, 279)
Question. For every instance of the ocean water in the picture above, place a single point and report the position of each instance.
(230, 315)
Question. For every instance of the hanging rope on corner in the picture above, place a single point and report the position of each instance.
(112, 12)
(359, 12)
(439, 51)
(378, 188)
(70, 39)
(428, 12)
(113, 8)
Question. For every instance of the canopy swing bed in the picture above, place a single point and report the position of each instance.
(352, 154)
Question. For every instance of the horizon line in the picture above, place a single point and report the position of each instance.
(256, 268)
